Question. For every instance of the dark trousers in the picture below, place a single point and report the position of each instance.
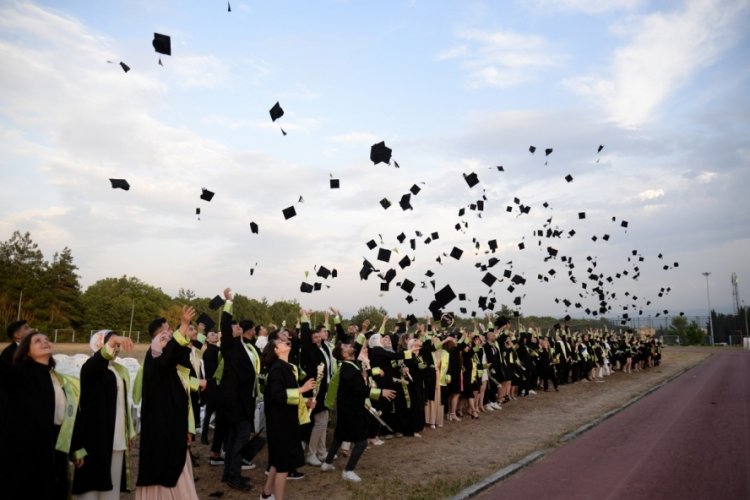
(359, 448)
(237, 436)
(220, 432)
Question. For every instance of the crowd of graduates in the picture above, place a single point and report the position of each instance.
(263, 385)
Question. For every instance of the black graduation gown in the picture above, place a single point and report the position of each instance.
(164, 419)
(95, 426)
(282, 421)
(352, 420)
(6, 358)
(29, 444)
(416, 392)
(237, 401)
(210, 363)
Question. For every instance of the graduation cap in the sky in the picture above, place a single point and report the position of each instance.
(289, 212)
(385, 203)
(405, 202)
(471, 179)
(371, 244)
(405, 262)
(384, 254)
(500, 168)
(254, 227)
(306, 287)
(162, 44)
(229, 7)
(120, 184)
(415, 190)
(456, 253)
(407, 286)
(401, 237)
(599, 149)
(216, 303)
(581, 215)
(206, 194)
(334, 183)
(276, 112)
(380, 153)
(124, 67)
(568, 178)
(489, 279)
(323, 272)
(207, 321)
(532, 149)
(548, 151)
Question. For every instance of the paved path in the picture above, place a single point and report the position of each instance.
(688, 440)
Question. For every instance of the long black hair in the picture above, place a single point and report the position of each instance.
(24, 347)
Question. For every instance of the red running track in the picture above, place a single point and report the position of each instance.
(688, 440)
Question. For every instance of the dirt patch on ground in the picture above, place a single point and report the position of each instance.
(446, 460)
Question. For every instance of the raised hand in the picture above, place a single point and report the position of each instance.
(389, 394)
(228, 293)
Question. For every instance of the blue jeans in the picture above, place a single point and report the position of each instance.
(237, 436)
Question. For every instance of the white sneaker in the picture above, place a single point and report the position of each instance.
(388, 436)
(377, 442)
(269, 497)
(350, 475)
(325, 467)
(417, 435)
(313, 460)
(489, 407)
(532, 392)
(247, 465)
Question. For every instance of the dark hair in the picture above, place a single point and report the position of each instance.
(268, 356)
(246, 325)
(257, 329)
(14, 327)
(22, 353)
(155, 325)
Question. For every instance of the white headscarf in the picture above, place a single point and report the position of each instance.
(374, 341)
(97, 340)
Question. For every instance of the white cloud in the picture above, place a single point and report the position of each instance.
(500, 58)
(204, 71)
(587, 6)
(650, 194)
(665, 50)
(706, 177)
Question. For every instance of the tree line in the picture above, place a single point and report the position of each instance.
(48, 294)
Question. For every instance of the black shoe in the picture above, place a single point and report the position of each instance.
(295, 474)
(215, 461)
(239, 485)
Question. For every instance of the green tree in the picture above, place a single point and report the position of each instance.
(59, 301)
(22, 266)
(679, 327)
(109, 302)
(693, 334)
(372, 313)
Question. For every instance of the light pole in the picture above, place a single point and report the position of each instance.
(747, 332)
(710, 320)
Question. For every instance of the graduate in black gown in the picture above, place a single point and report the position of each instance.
(351, 388)
(45, 405)
(103, 428)
(282, 398)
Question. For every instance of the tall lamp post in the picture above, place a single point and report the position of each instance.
(710, 320)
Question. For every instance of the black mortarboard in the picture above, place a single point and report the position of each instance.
(605, 237)
(405, 262)
(489, 279)
(407, 286)
(581, 215)
(254, 228)
(517, 301)
(445, 296)
(461, 212)
(461, 296)
(568, 178)
(480, 205)
(162, 44)
(380, 153)
(289, 212)
(317, 286)
(456, 253)
(401, 237)
(492, 244)
(548, 151)
(545, 204)
(366, 270)
(197, 211)
(566, 318)
(518, 279)
(276, 112)
(384, 286)
(323, 272)
(415, 189)
(429, 274)
(411, 319)
(305, 287)
(207, 321)
(413, 243)
(371, 244)
(532, 149)
(385, 203)
(435, 235)
(206, 194)
(335, 183)
(120, 184)
(471, 179)
(389, 275)
(216, 303)
(405, 202)
(500, 168)
(384, 254)
(624, 223)
(124, 67)
(599, 149)
(521, 246)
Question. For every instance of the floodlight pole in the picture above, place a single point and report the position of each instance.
(132, 312)
(710, 320)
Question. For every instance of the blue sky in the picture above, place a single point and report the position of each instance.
(451, 87)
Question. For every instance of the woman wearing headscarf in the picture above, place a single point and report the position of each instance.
(282, 401)
(45, 404)
(103, 428)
